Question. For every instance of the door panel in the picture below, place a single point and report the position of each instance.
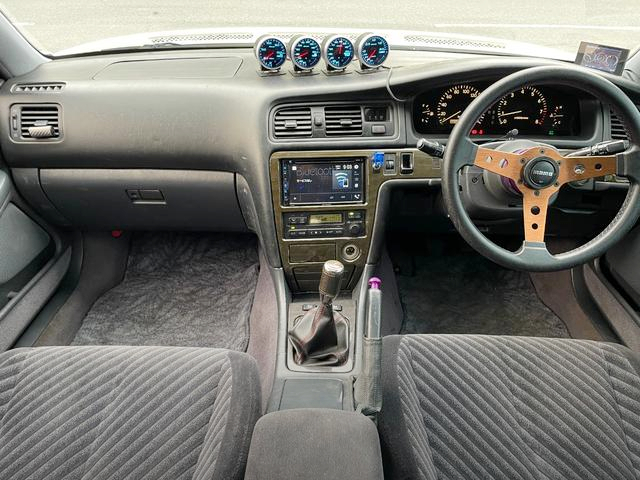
(22, 243)
(29, 249)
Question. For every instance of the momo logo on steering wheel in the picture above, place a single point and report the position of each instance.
(540, 172)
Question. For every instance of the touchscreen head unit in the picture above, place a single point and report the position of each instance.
(309, 182)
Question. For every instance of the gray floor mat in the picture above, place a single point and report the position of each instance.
(465, 293)
(179, 289)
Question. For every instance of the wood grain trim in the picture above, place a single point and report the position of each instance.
(424, 166)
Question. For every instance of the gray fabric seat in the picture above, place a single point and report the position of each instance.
(126, 413)
(470, 407)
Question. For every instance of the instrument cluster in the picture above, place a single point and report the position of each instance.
(540, 111)
(337, 51)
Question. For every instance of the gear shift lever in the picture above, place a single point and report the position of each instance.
(320, 336)
(332, 272)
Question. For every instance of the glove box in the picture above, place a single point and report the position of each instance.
(108, 199)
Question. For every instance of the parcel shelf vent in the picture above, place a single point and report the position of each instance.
(38, 87)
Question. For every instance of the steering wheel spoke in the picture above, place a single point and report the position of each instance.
(505, 164)
(584, 168)
(535, 204)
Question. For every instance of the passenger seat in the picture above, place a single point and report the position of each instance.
(126, 413)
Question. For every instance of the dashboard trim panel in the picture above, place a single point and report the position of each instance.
(424, 167)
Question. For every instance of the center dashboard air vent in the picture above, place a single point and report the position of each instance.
(35, 122)
(324, 121)
(343, 120)
(292, 122)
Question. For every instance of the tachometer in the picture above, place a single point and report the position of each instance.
(271, 53)
(338, 52)
(373, 50)
(524, 107)
(305, 52)
(453, 102)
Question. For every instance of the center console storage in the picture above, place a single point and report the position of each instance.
(314, 443)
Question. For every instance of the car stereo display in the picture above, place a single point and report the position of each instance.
(311, 182)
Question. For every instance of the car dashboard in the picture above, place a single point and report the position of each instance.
(206, 140)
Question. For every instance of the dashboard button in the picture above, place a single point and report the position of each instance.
(355, 229)
(378, 129)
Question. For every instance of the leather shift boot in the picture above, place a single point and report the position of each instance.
(320, 337)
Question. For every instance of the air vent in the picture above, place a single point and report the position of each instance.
(203, 38)
(453, 42)
(38, 87)
(343, 121)
(35, 122)
(292, 122)
(618, 132)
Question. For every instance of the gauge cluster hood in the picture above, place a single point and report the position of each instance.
(246, 37)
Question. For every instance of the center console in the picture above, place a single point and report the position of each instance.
(325, 204)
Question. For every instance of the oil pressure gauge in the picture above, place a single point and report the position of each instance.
(373, 50)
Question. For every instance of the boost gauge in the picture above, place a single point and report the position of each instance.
(305, 53)
(338, 52)
(271, 52)
(373, 50)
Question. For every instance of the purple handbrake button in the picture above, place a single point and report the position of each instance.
(374, 283)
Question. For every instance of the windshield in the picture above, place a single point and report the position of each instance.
(54, 26)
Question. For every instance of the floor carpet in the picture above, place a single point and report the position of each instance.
(452, 290)
(179, 289)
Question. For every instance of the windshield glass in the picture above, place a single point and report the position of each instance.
(54, 26)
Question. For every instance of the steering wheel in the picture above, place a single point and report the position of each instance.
(540, 170)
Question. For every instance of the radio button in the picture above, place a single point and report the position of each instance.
(297, 220)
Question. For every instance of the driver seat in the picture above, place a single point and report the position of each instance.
(473, 406)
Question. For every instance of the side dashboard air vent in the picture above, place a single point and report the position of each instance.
(343, 120)
(36, 122)
(618, 132)
(292, 122)
(38, 87)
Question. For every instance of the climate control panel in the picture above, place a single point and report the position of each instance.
(349, 223)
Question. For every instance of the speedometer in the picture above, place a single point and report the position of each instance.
(453, 102)
(522, 108)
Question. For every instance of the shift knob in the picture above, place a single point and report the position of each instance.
(332, 272)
